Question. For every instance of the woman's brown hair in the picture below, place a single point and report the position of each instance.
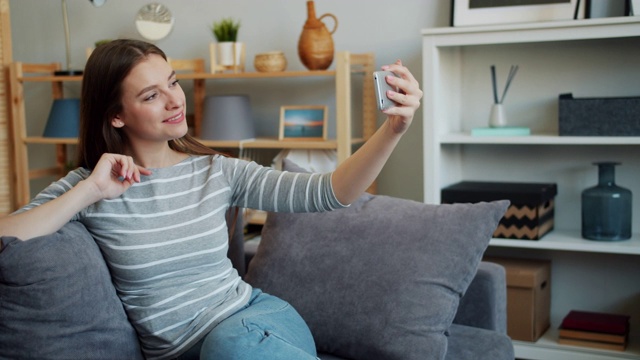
(101, 100)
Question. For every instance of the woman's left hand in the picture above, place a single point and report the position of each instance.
(407, 99)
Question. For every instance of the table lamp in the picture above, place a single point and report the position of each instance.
(227, 117)
(64, 119)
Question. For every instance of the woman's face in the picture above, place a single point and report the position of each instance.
(153, 103)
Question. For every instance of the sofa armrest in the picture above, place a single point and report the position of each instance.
(484, 305)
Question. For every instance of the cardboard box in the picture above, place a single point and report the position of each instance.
(530, 215)
(528, 297)
(612, 116)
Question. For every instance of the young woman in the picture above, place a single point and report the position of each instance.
(155, 200)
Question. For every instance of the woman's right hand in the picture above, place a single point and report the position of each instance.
(114, 174)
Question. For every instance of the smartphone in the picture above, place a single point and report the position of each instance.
(381, 87)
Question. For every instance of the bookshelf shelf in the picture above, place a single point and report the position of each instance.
(547, 347)
(538, 139)
(567, 240)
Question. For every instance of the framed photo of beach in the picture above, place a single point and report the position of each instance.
(306, 122)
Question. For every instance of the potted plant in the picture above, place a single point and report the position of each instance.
(101, 42)
(226, 33)
(226, 30)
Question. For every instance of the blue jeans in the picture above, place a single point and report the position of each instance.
(267, 328)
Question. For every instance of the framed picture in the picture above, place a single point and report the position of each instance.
(303, 122)
(607, 8)
(487, 12)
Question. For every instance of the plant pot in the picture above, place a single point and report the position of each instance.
(226, 51)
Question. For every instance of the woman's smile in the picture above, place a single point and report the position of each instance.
(176, 119)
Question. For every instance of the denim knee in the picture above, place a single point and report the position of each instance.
(267, 328)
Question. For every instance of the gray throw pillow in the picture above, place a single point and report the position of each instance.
(381, 279)
(57, 300)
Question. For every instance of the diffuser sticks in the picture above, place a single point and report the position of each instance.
(494, 82)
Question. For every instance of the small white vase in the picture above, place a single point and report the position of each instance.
(497, 118)
(225, 53)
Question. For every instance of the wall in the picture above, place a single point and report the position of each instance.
(391, 32)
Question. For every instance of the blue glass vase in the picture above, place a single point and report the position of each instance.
(606, 207)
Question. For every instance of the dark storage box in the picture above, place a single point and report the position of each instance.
(598, 116)
(530, 215)
(528, 297)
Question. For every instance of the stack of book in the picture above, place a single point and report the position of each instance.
(595, 330)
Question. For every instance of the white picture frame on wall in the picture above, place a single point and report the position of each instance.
(466, 13)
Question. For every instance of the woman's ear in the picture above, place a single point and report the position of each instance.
(116, 122)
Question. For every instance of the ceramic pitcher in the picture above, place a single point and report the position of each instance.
(315, 46)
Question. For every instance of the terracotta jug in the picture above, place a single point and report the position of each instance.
(315, 46)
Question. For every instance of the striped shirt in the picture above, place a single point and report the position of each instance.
(165, 241)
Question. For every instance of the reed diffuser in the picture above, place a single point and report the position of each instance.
(498, 117)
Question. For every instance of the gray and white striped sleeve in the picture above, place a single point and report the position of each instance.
(56, 189)
(263, 188)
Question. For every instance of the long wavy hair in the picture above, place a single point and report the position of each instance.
(101, 100)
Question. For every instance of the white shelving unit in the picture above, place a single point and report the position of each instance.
(589, 58)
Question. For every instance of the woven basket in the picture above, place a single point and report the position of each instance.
(271, 61)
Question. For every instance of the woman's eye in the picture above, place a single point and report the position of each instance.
(151, 97)
(175, 82)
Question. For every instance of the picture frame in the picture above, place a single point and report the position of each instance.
(607, 8)
(492, 12)
(303, 122)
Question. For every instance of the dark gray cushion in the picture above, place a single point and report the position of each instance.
(381, 279)
(57, 300)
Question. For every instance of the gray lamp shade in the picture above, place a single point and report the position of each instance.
(64, 119)
(227, 117)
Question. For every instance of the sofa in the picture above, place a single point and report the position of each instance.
(385, 278)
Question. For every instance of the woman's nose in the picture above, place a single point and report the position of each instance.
(174, 99)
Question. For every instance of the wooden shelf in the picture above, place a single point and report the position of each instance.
(50, 140)
(202, 76)
(49, 78)
(258, 75)
(255, 217)
(268, 143)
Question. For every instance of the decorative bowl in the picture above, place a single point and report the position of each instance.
(271, 61)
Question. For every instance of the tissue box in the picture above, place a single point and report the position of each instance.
(530, 215)
(598, 116)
